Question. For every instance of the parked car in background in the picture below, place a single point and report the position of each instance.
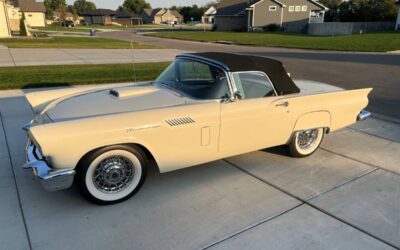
(68, 23)
(203, 107)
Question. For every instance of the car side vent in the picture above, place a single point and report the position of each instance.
(179, 121)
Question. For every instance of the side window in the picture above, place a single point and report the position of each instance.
(253, 85)
(195, 79)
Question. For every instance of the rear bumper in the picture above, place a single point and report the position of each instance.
(363, 115)
(51, 179)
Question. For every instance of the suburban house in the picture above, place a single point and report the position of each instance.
(208, 16)
(291, 15)
(148, 15)
(34, 12)
(398, 16)
(168, 16)
(128, 18)
(99, 16)
(68, 16)
(5, 30)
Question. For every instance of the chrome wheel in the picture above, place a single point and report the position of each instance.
(113, 174)
(307, 139)
(305, 142)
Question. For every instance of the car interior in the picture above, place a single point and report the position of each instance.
(206, 82)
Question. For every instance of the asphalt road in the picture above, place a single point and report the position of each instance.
(348, 70)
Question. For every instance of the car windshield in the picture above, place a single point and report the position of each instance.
(195, 79)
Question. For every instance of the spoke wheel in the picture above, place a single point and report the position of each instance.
(111, 174)
(306, 142)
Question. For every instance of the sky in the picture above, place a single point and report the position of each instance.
(113, 4)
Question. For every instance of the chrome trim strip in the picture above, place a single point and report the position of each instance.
(363, 115)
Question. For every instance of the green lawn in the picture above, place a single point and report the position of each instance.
(71, 42)
(65, 75)
(378, 42)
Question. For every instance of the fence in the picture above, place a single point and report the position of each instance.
(347, 28)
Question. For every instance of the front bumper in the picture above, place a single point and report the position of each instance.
(51, 179)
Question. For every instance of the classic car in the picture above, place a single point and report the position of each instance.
(203, 107)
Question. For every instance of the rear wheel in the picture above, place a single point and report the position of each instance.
(305, 142)
(111, 174)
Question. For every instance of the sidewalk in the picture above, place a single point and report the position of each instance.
(345, 196)
(36, 57)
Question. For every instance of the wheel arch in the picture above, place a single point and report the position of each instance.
(141, 147)
(316, 119)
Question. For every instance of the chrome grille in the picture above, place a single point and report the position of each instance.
(179, 121)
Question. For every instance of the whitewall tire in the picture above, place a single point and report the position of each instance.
(111, 174)
(305, 142)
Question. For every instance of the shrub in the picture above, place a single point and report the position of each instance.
(22, 27)
(271, 27)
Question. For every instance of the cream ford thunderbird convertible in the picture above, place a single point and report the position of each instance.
(203, 107)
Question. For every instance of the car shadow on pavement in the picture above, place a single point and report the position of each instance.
(279, 150)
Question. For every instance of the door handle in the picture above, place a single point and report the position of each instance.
(282, 104)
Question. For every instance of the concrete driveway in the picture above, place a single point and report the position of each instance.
(345, 196)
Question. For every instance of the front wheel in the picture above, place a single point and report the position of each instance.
(305, 142)
(111, 174)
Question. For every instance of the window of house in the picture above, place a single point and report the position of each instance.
(253, 84)
(304, 8)
(291, 8)
(30, 15)
(272, 8)
(298, 8)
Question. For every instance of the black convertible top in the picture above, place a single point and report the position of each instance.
(273, 68)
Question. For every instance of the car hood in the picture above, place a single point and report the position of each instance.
(112, 101)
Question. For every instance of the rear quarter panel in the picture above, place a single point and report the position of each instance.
(339, 109)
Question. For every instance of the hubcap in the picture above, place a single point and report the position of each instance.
(113, 174)
(306, 139)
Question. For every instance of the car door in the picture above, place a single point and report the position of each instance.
(259, 119)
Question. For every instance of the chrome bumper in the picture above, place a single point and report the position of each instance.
(363, 115)
(51, 179)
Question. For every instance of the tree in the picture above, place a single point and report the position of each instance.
(189, 12)
(54, 5)
(22, 27)
(74, 14)
(332, 15)
(135, 6)
(367, 10)
(83, 5)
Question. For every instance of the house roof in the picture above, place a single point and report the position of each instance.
(252, 3)
(273, 68)
(172, 12)
(30, 5)
(126, 14)
(318, 4)
(175, 13)
(151, 12)
(160, 12)
(237, 7)
(210, 11)
(67, 14)
(231, 7)
(99, 12)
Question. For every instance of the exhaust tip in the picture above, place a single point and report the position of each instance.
(363, 115)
